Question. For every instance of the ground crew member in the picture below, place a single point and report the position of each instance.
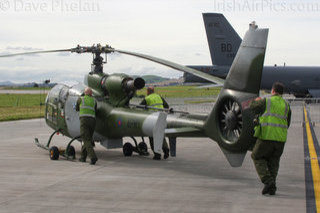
(271, 132)
(156, 101)
(87, 106)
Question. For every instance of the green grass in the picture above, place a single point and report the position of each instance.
(25, 88)
(199, 101)
(26, 106)
(182, 92)
(21, 106)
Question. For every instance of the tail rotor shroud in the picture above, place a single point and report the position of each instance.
(230, 120)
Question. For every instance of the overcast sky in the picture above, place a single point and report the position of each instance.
(169, 29)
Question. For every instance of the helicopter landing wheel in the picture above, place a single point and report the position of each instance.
(127, 149)
(143, 148)
(54, 153)
(72, 152)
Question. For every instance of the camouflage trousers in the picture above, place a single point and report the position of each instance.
(87, 126)
(266, 157)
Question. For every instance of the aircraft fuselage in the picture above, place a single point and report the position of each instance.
(298, 80)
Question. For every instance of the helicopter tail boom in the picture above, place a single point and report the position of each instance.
(230, 121)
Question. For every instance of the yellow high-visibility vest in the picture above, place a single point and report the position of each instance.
(154, 100)
(273, 122)
(87, 107)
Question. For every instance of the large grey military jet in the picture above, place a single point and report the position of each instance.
(224, 41)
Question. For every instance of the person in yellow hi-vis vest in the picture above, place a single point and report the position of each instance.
(271, 132)
(154, 100)
(87, 106)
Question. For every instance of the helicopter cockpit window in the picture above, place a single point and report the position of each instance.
(55, 102)
(63, 94)
(52, 113)
(77, 90)
(54, 93)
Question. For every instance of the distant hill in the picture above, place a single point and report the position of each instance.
(6, 83)
(150, 79)
(32, 84)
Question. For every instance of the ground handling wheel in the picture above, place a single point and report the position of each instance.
(143, 148)
(54, 153)
(71, 152)
(127, 149)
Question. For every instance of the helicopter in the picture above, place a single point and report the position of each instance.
(230, 123)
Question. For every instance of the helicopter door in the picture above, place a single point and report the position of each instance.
(52, 102)
(71, 115)
(51, 114)
(61, 105)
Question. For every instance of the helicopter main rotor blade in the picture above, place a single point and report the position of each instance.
(36, 52)
(107, 49)
(172, 65)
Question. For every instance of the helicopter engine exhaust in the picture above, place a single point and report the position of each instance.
(135, 84)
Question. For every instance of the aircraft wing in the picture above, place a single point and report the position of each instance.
(314, 92)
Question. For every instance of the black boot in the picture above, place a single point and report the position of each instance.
(166, 153)
(93, 161)
(266, 188)
(273, 189)
(157, 156)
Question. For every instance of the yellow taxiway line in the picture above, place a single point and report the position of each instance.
(314, 162)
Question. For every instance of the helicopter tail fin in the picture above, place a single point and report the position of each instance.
(223, 40)
(230, 121)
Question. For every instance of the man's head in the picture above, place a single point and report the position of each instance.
(277, 88)
(88, 91)
(150, 90)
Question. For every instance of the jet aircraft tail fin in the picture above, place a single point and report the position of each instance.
(230, 121)
(223, 40)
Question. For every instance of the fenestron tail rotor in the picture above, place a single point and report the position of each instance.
(230, 120)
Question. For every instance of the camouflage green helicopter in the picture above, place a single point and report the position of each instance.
(229, 123)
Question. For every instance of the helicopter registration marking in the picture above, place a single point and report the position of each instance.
(133, 124)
